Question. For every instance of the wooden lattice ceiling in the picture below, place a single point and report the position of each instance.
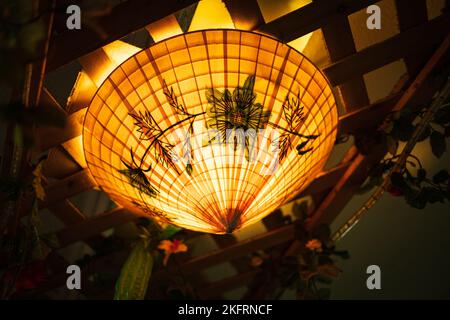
(330, 191)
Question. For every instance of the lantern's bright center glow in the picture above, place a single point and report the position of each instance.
(210, 130)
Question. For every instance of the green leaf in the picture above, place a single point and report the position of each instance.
(438, 144)
(425, 134)
(417, 199)
(433, 195)
(169, 232)
(442, 116)
(403, 129)
(441, 176)
(421, 174)
(135, 274)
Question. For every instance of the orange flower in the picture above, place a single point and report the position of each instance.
(314, 245)
(170, 247)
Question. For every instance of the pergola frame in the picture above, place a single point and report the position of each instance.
(332, 189)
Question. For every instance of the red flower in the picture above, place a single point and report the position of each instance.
(395, 191)
(30, 276)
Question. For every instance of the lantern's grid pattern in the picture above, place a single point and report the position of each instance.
(217, 190)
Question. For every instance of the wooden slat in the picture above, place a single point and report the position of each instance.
(311, 17)
(59, 164)
(88, 228)
(164, 28)
(124, 18)
(66, 188)
(246, 15)
(94, 62)
(70, 215)
(380, 54)
(67, 212)
(82, 93)
(339, 41)
(50, 137)
(412, 14)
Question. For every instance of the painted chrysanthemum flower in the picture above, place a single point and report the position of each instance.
(234, 111)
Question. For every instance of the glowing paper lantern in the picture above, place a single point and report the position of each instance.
(210, 130)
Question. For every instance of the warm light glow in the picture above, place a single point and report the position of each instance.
(301, 42)
(272, 10)
(119, 51)
(146, 137)
(164, 28)
(211, 14)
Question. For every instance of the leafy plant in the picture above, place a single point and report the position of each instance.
(412, 182)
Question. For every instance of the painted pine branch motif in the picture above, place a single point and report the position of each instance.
(137, 178)
(235, 111)
(295, 118)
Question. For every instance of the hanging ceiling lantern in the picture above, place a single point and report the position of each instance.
(210, 130)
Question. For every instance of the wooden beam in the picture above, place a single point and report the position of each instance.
(367, 117)
(380, 54)
(259, 242)
(246, 14)
(124, 18)
(223, 241)
(311, 17)
(324, 180)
